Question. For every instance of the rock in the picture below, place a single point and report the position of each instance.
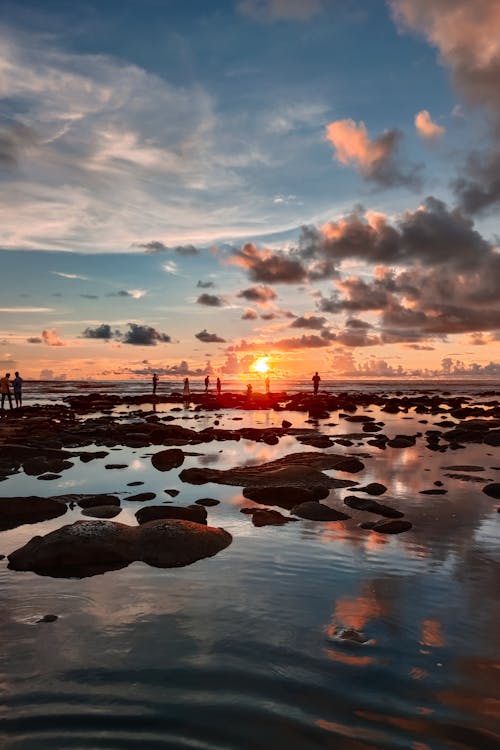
(374, 488)
(2, 557)
(351, 635)
(172, 493)
(102, 511)
(318, 413)
(16, 511)
(115, 466)
(87, 548)
(367, 524)
(168, 459)
(265, 517)
(208, 502)
(402, 441)
(94, 501)
(134, 484)
(392, 527)
(433, 492)
(492, 490)
(284, 497)
(286, 424)
(194, 513)
(49, 477)
(316, 441)
(315, 511)
(365, 503)
(92, 456)
(463, 467)
(467, 478)
(141, 497)
(48, 618)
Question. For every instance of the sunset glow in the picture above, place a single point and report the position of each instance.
(261, 365)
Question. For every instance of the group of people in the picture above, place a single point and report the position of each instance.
(17, 386)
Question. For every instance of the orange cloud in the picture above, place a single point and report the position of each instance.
(50, 337)
(428, 129)
(353, 145)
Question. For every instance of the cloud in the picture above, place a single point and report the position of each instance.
(134, 293)
(89, 296)
(209, 338)
(478, 189)
(259, 294)
(249, 314)
(205, 284)
(34, 340)
(15, 138)
(309, 321)
(170, 267)
(170, 371)
(267, 11)
(103, 331)
(51, 337)
(269, 266)
(141, 335)
(428, 129)
(155, 247)
(70, 275)
(210, 300)
(49, 375)
(376, 159)
(356, 323)
(26, 309)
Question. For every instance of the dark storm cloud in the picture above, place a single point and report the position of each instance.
(209, 338)
(141, 335)
(258, 294)
(103, 331)
(210, 300)
(356, 323)
(14, 138)
(478, 188)
(312, 321)
(155, 246)
(269, 266)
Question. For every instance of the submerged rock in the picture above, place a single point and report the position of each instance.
(392, 527)
(168, 459)
(365, 503)
(285, 497)
(16, 511)
(267, 517)
(314, 511)
(374, 488)
(141, 497)
(195, 513)
(208, 502)
(87, 548)
(492, 490)
(102, 511)
(48, 618)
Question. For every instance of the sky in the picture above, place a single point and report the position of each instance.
(187, 187)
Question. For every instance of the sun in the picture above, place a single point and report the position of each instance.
(261, 365)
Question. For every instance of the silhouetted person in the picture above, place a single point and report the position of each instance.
(267, 384)
(5, 389)
(219, 387)
(17, 385)
(249, 391)
(315, 379)
(207, 381)
(186, 393)
(155, 383)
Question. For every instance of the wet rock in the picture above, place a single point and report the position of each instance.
(433, 492)
(49, 477)
(2, 557)
(172, 493)
(464, 467)
(467, 478)
(168, 459)
(285, 497)
(87, 548)
(438, 483)
(318, 413)
(16, 511)
(402, 441)
(286, 424)
(357, 418)
(134, 484)
(44, 464)
(92, 456)
(266, 517)
(141, 497)
(48, 618)
(115, 466)
(492, 490)
(315, 511)
(372, 506)
(392, 527)
(316, 441)
(102, 511)
(194, 513)
(208, 502)
(373, 488)
(270, 439)
(351, 635)
(367, 524)
(93, 501)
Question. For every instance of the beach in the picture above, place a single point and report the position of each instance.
(336, 580)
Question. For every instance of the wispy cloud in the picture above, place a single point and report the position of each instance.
(70, 275)
(26, 309)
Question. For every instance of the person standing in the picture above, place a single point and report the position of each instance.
(5, 389)
(155, 383)
(249, 391)
(219, 387)
(17, 384)
(268, 386)
(207, 381)
(186, 393)
(315, 379)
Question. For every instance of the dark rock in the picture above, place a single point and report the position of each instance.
(92, 456)
(492, 490)
(95, 501)
(168, 459)
(115, 466)
(467, 478)
(87, 548)
(141, 497)
(49, 477)
(286, 424)
(402, 441)
(48, 618)
(463, 467)
(266, 517)
(16, 511)
(433, 492)
(365, 503)
(194, 513)
(134, 484)
(392, 527)
(315, 511)
(367, 524)
(374, 488)
(208, 502)
(172, 493)
(102, 511)
(284, 497)
(351, 635)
